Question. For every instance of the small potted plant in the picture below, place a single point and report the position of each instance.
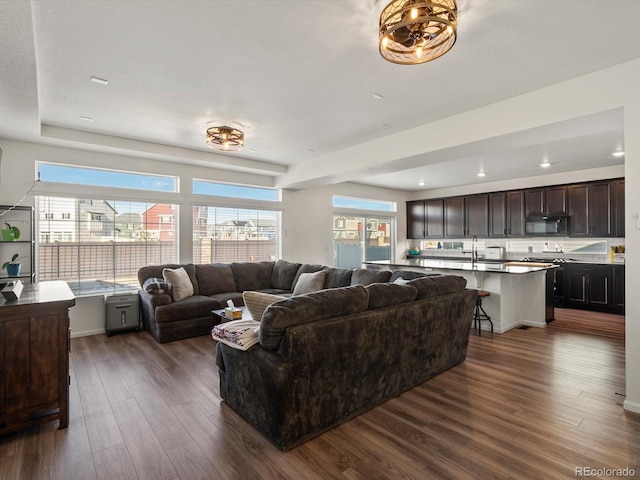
(13, 266)
(11, 233)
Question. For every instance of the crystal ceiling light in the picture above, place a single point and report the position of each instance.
(225, 138)
(414, 31)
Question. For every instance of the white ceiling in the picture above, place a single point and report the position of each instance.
(299, 77)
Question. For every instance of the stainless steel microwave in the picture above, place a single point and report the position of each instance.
(547, 225)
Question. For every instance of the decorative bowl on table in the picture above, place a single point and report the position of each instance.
(414, 251)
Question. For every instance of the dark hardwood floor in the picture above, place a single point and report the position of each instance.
(529, 404)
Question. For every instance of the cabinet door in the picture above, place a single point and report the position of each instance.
(556, 200)
(515, 214)
(578, 198)
(575, 287)
(44, 355)
(534, 201)
(497, 215)
(454, 225)
(599, 203)
(598, 288)
(434, 215)
(617, 204)
(477, 215)
(415, 219)
(618, 289)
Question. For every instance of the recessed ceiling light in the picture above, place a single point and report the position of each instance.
(481, 174)
(545, 164)
(377, 96)
(619, 153)
(310, 150)
(86, 119)
(100, 81)
(421, 183)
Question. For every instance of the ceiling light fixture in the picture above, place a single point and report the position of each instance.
(421, 183)
(545, 164)
(225, 138)
(86, 119)
(417, 31)
(481, 174)
(619, 153)
(100, 81)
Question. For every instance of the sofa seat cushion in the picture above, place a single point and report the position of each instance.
(338, 277)
(181, 286)
(310, 282)
(155, 271)
(222, 298)
(192, 307)
(284, 273)
(309, 308)
(386, 294)
(257, 302)
(215, 278)
(252, 275)
(439, 285)
(365, 276)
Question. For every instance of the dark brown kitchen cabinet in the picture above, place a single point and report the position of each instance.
(617, 196)
(515, 213)
(34, 356)
(477, 215)
(546, 201)
(590, 210)
(588, 286)
(454, 221)
(618, 289)
(425, 219)
(497, 215)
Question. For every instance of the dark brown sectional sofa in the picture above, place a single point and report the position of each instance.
(214, 284)
(325, 357)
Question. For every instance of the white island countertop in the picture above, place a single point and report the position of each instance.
(513, 267)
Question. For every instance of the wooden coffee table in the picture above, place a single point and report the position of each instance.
(218, 317)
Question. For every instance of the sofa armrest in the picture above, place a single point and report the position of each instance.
(156, 300)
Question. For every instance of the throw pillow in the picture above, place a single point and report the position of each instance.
(257, 302)
(179, 279)
(155, 286)
(310, 282)
(400, 281)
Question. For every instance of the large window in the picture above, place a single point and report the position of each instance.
(222, 234)
(99, 245)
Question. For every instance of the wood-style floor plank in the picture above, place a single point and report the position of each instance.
(531, 403)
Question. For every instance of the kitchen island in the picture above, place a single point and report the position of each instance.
(519, 291)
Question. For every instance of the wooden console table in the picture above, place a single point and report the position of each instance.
(34, 356)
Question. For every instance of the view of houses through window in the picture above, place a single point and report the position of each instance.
(99, 245)
(227, 234)
(360, 238)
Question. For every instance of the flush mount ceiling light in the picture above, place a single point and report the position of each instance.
(225, 138)
(415, 31)
(619, 153)
(545, 164)
(481, 174)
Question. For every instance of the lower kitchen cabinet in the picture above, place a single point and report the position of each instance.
(594, 287)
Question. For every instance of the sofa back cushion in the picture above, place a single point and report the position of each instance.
(309, 308)
(365, 276)
(215, 278)
(433, 286)
(257, 302)
(385, 294)
(155, 271)
(306, 268)
(252, 275)
(408, 275)
(283, 274)
(337, 277)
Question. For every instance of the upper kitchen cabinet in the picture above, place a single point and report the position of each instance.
(425, 218)
(590, 210)
(617, 195)
(498, 215)
(546, 201)
(515, 213)
(466, 216)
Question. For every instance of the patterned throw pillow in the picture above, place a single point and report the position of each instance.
(155, 286)
(179, 279)
(257, 302)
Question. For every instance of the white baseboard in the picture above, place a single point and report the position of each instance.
(87, 333)
(631, 406)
